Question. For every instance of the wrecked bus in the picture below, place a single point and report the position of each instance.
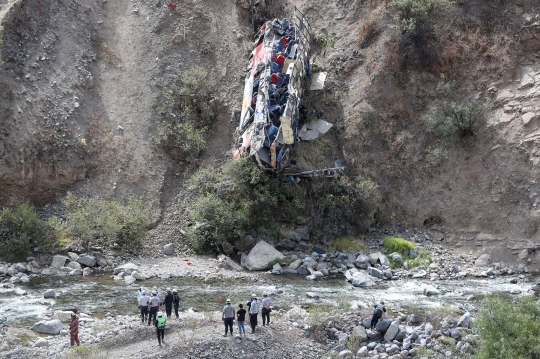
(273, 92)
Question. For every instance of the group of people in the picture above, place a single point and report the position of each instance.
(253, 305)
(149, 307)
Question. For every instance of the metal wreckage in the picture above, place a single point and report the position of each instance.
(273, 115)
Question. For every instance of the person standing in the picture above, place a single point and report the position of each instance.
(253, 312)
(176, 302)
(249, 306)
(228, 317)
(169, 298)
(153, 305)
(160, 327)
(266, 308)
(378, 311)
(74, 330)
(241, 317)
(143, 304)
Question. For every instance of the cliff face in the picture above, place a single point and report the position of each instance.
(80, 105)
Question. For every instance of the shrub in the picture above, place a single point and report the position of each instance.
(326, 41)
(509, 328)
(347, 244)
(423, 259)
(342, 203)
(21, 229)
(94, 221)
(189, 114)
(436, 154)
(284, 261)
(396, 244)
(412, 14)
(456, 118)
(234, 197)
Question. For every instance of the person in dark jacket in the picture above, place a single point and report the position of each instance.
(169, 298)
(241, 318)
(176, 302)
(378, 311)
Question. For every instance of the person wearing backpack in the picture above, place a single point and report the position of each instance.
(378, 312)
(176, 302)
(160, 327)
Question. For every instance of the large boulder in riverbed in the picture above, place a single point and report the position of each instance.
(361, 280)
(168, 249)
(483, 261)
(49, 293)
(362, 261)
(87, 260)
(391, 332)
(48, 326)
(58, 261)
(262, 254)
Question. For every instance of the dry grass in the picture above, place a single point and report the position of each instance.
(368, 34)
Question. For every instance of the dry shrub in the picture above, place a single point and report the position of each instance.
(368, 35)
(393, 59)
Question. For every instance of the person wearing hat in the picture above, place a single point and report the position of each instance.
(160, 327)
(176, 302)
(266, 303)
(143, 305)
(74, 329)
(228, 317)
(169, 298)
(153, 305)
(253, 312)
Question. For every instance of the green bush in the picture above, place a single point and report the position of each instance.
(347, 244)
(189, 114)
(410, 15)
(234, 197)
(452, 118)
(342, 203)
(509, 328)
(106, 223)
(396, 244)
(20, 230)
(423, 259)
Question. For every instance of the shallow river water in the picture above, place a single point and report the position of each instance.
(24, 305)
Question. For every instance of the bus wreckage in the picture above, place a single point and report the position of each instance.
(272, 108)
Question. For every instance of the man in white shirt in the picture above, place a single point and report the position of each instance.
(266, 303)
(143, 304)
(153, 306)
(253, 312)
(228, 316)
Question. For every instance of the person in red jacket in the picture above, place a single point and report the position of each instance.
(74, 329)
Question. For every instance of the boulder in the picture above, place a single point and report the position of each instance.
(483, 261)
(128, 268)
(309, 261)
(295, 265)
(383, 325)
(74, 265)
(396, 257)
(86, 272)
(286, 245)
(129, 279)
(362, 261)
(303, 271)
(362, 352)
(375, 272)
(246, 244)
(366, 323)
(49, 293)
(136, 275)
(262, 254)
(228, 263)
(359, 332)
(73, 256)
(87, 260)
(59, 261)
(361, 280)
(168, 249)
(41, 342)
(464, 320)
(276, 269)
(429, 328)
(48, 326)
(374, 257)
(413, 254)
(295, 237)
(303, 232)
(391, 332)
(76, 272)
(311, 277)
(384, 260)
(414, 319)
(63, 315)
(345, 354)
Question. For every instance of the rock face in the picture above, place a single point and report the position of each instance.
(246, 244)
(48, 327)
(259, 257)
(483, 261)
(168, 249)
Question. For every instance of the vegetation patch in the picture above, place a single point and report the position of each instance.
(505, 337)
(105, 223)
(189, 113)
(396, 244)
(423, 259)
(21, 229)
(282, 262)
(347, 244)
